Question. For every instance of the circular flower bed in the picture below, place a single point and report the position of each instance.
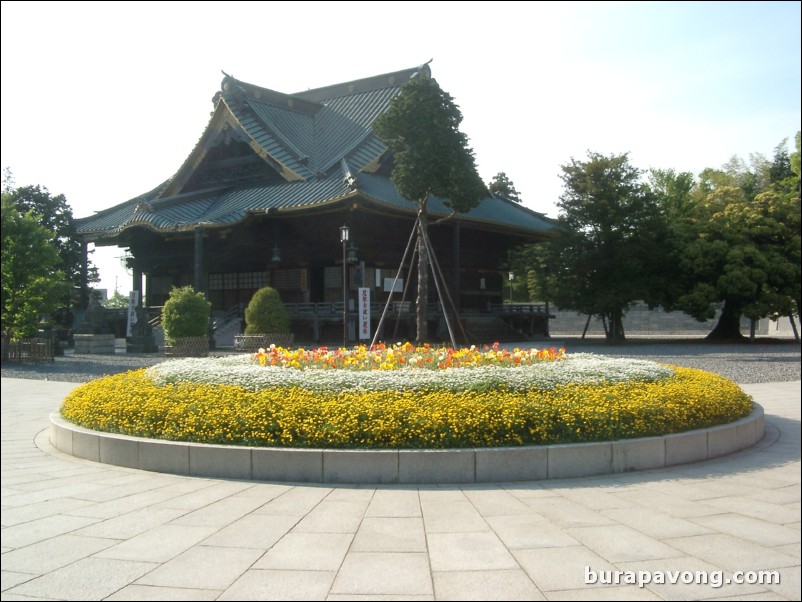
(405, 397)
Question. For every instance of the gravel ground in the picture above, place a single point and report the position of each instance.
(766, 360)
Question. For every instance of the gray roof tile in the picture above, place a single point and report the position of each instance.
(310, 133)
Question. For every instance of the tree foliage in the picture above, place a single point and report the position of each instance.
(431, 156)
(673, 192)
(32, 283)
(607, 250)
(796, 168)
(530, 266)
(733, 240)
(502, 186)
(729, 240)
(54, 213)
(116, 301)
(741, 246)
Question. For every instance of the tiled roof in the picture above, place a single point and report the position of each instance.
(313, 138)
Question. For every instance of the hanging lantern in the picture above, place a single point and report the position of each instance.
(352, 258)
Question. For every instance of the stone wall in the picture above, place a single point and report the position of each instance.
(641, 321)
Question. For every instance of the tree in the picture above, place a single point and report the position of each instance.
(502, 186)
(607, 251)
(430, 157)
(32, 283)
(54, 213)
(676, 197)
(673, 191)
(741, 244)
(116, 301)
(780, 168)
(796, 168)
(745, 254)
(529, 265)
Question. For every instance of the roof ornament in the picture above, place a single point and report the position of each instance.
(232, 86)
(143, 207)
(424, 68)
(228, 82)
(349, 179)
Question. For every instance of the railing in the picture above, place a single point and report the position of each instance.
(35, 349)
(518, 308)
(154, 316)
(334, 309)
(233, 313)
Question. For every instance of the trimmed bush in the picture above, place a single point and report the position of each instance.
(266, 313)
(185, 314)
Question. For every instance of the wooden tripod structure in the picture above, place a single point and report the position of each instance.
(419, 234)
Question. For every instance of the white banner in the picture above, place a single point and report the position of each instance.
(133, 302)
(364, 313)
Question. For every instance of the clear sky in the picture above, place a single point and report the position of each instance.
(102, 101)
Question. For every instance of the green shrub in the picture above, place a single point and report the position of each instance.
(185, 314)
(266, 313)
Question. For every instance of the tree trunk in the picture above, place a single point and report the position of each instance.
(421, 319)
(729, 324)
(615, 330)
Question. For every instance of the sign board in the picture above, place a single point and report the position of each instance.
(388, 285)
(133, 302)
(364, 313)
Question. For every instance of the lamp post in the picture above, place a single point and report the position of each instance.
(344, 236)
(511, 277)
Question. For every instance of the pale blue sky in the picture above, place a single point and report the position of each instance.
(103, 101)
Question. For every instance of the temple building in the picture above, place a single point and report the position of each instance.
(261, 200)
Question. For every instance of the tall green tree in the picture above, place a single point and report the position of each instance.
(525, 262)
(32, 283)
(741, 245)
(796, 168)
(676, 197)
(607, 252)
(431, 156)
(116, 301)
(673, 191)
(780, 168)
(502, 186)
(785, 169)
(744, 254)
(55, 214)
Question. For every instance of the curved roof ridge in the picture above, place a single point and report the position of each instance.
(235, 87)
(270, 127)
(376, 82)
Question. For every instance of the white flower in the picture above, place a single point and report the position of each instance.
(244, 371)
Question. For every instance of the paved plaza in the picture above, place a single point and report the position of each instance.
(78, 530)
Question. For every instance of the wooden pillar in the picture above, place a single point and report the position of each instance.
(84, 298)
(198, 280)
(137, 284)
(142, 301)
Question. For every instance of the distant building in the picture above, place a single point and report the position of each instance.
(262, 196)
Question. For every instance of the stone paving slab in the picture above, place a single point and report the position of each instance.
(76, 529)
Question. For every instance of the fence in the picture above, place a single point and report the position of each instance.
(34, 349)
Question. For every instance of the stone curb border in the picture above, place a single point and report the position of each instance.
(478, 465)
